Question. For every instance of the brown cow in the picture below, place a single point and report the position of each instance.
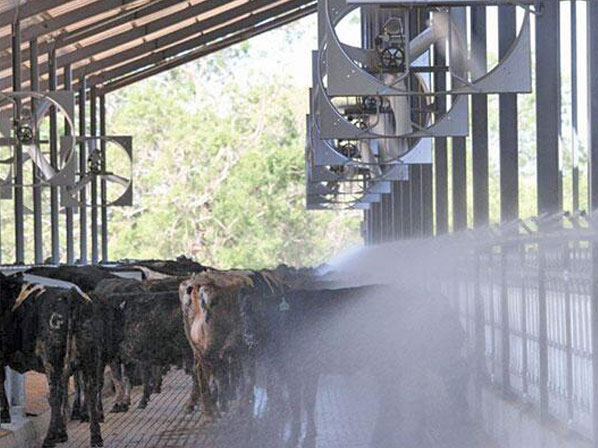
(217, 343)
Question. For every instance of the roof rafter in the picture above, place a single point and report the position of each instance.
(63, 20)
(28, 9)
(207, 49)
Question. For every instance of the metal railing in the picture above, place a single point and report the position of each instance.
(527, 296)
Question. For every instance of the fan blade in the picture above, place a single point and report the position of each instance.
(77, 187)
(41, 108)
(116, 179)
(41, 162)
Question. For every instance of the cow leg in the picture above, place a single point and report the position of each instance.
(247, 392)
(157, 379)
(146, 371)
(91, 383)
(294, 389)
(310, 393)
(57, 429)
(194, 397)
(66, 409)
(4, 407)
(204, 391)
(100, 390)
(119, 385)
(77, 402)
(223, 376)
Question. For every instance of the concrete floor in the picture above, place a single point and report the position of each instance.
(345, 419)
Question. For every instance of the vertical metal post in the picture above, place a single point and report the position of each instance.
(82, 170)
(459, 162)
(397, 209)
(592, 57)
(38, 248)
(547, 159)
(18, 164)
(479, 123)
(54, 211)
(406, 208)
(574, 120)
(509, 148)
(93, 130)
(70, 250)
(415, 181)
(427, 200)
(103, 192)
(440, 144)
(548, 106)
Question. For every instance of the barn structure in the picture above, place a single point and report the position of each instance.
(387, 132)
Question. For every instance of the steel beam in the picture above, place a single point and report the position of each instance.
(574, 112)
(415, 182)
(19, 208)
(82, 170)
(28, 9)
(440, 145)
(93, 131)
(141, 32)
(70, 249)
(547, 157)
(509, 148)
(38, 249)
(54, 198)
(479, 124)
(548, 107)
(164, 63)
(103, 192)
(101, 7)
(592, 57)
(459, 161)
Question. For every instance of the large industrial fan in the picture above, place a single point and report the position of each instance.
(109, 160)
(376, 105)
(24, 123)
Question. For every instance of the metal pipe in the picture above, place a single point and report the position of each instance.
(82, 170)
(93, 130)
(19, 208)
(54, 211)
(70, 249)
(574, 120)
(38, 249)
(103, 191)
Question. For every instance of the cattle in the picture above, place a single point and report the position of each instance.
(108, 316)
(182, 267)
(154, 337)
(214, 329)
(53, 331)
(300, 326)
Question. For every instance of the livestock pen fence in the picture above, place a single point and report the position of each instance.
(527, 295)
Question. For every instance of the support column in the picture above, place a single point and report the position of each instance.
(548, 176)
(93, 130)
(592, 56)
(440, 144)
(103, 192)
(459, 162)
(54, 210)
(509, 148)
(38, 230)
(70, 250)
(18, 165)
(479, 124)
(82, 170)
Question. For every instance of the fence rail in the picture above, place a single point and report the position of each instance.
(529, 305)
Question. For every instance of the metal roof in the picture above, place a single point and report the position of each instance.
(114, 43)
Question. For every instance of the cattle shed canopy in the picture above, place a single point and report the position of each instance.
(114, 43)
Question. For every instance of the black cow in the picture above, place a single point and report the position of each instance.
(53, 331)
(108, 317)
(154, 338)
(397, 336)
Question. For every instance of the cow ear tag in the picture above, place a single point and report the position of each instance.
(284, 305)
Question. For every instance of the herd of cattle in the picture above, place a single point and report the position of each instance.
(286, 326)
